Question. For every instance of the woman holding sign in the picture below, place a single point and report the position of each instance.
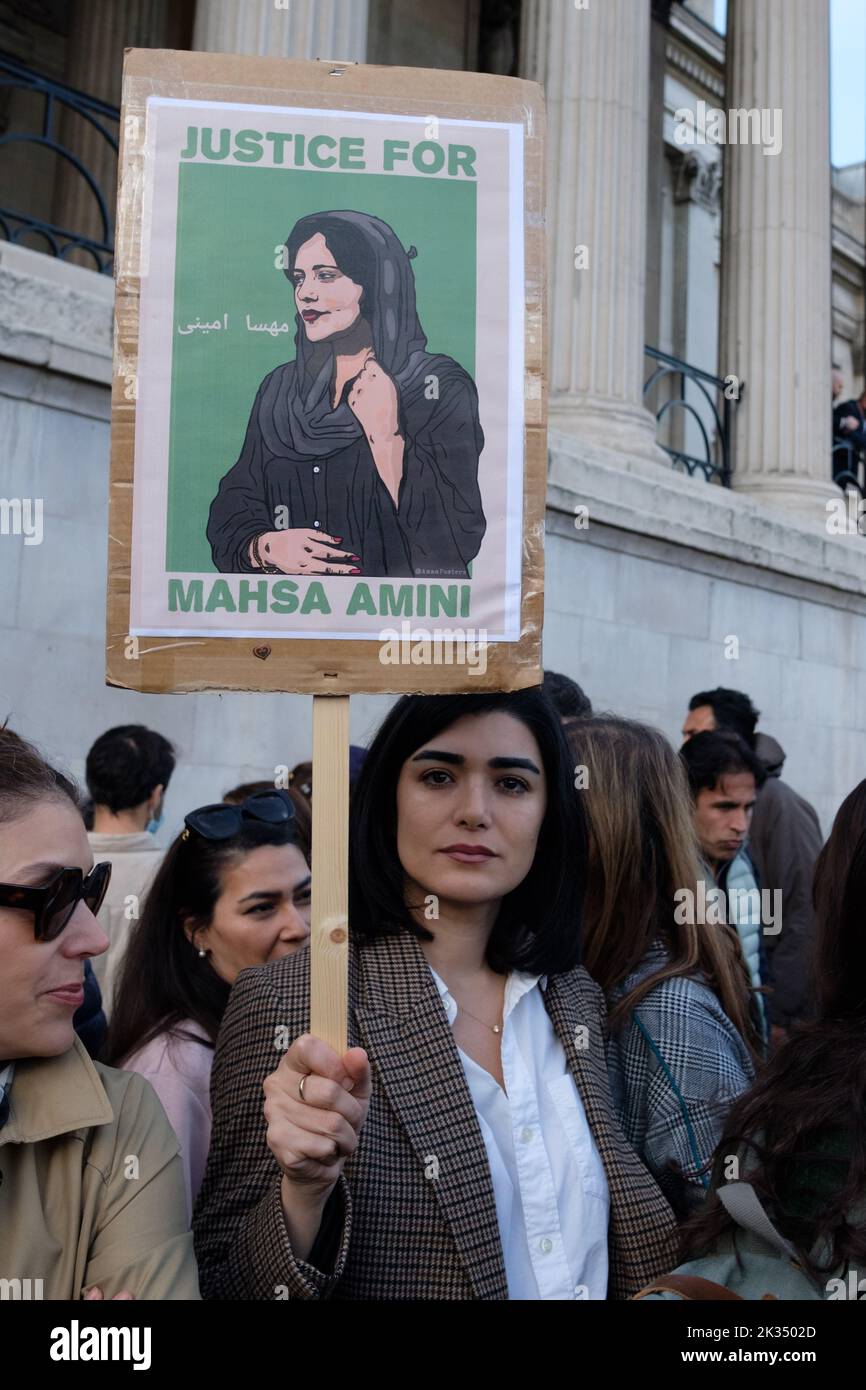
(465, 1146)
(361, 455)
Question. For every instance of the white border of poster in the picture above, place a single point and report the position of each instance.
(495, 582)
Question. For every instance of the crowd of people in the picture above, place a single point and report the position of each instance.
(606, 1019)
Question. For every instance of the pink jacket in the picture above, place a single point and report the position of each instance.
(178, 1069)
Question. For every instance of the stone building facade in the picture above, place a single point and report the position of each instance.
(744, 266)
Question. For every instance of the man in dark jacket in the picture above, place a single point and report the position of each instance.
(849, 428)
(784, 841)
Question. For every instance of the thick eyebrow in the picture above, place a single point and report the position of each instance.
(437, 755)
(274, 892)
(525, 763)
(297, 270)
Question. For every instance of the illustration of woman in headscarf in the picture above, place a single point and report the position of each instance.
(367, 443)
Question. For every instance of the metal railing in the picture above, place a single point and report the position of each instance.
(15, 225)
(847, 466)
(694, 411)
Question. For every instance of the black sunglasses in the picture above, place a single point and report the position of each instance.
(222, 821)
(53, 905)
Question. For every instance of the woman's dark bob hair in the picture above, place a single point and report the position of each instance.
(538, 926)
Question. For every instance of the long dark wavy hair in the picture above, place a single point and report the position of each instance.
(801, 1129)
(538, 925)
(163, 981)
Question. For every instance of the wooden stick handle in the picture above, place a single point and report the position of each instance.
(329, 940)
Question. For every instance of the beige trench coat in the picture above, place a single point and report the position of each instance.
(91, 1186)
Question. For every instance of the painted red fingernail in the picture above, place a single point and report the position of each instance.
(354, 571)
(338, 538)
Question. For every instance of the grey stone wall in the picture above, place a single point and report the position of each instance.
(676, 586)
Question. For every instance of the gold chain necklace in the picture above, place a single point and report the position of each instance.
(494, 1027)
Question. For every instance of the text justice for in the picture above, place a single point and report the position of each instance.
(326, 151)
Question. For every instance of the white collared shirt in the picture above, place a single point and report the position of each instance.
(549, 1182)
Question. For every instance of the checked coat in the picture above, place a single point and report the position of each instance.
(676, 1066)
(399, 1234)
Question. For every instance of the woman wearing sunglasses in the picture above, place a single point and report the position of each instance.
(73, 1213)
(465, 1145)
(232, 891)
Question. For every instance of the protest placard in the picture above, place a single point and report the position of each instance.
(279, 522)
(328, 464)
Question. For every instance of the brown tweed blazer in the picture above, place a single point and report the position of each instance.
(402, 1234)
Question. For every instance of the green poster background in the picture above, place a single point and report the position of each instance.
(229, 221)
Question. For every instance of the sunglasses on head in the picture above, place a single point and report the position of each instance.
(53, 905)
(222, 821)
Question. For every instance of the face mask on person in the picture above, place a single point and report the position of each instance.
(155, 821)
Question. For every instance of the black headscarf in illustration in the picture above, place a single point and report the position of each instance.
(303, 455)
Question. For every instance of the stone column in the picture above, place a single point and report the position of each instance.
(776, 250)
(293, 29)
(593, 62)
(99, 32)
(656, 176)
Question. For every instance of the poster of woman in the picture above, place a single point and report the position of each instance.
(366, 443)
(329, 406)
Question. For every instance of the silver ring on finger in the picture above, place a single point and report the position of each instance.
(301, 1082)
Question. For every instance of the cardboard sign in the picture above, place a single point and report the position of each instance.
(328, 464)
